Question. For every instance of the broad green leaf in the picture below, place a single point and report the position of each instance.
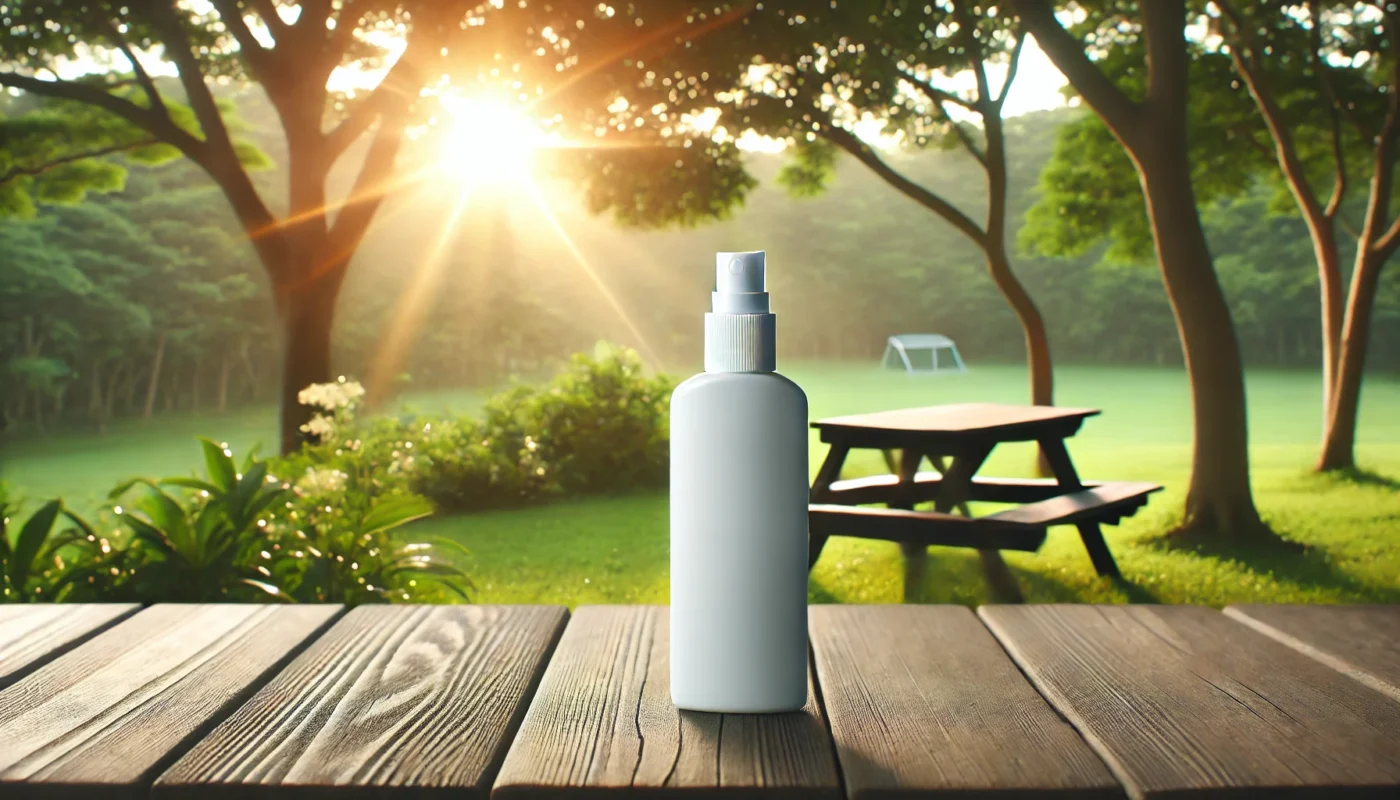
(31, 541)
(191, 483)
(391, 512)
(220, 465)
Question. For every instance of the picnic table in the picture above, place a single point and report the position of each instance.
(245, 701)
(957, 439)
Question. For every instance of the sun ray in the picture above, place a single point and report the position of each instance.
(408, 311)
(534, 194)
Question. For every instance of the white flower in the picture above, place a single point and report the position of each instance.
(331, 396)
(319, 426)
(318, 481)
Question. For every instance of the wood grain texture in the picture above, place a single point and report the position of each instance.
(602, 722)
(922, 701)
(402, 700)
(1361, 641)
(102, 720)
(1181, 701)
(34, 633)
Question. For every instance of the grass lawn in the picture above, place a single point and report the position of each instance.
(614, 549)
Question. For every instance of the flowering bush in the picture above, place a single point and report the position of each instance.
(599, 426)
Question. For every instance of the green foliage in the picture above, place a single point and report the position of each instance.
(235, 533)
(41, 563)
(810, 170)
(599, 426)
(205, 545)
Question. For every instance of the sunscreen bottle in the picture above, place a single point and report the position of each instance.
(739, 496)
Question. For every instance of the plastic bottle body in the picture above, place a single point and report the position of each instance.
(739, 543)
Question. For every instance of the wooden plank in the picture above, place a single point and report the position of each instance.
(34, 633)
(880, 489)
(923, 528)
(924, 702)
(1361, 641)
(422, 699)
(602, 720)
(102, 720)
(1106, 503)
(1181, 701)
(1007, 422)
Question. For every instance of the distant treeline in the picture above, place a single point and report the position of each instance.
(150, 299)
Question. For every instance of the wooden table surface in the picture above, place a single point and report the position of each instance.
(219, 701)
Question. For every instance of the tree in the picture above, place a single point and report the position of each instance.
(291, 53)
(808, 72)
(1339, 62)
(1152, 129)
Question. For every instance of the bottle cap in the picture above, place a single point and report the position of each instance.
(740, 331)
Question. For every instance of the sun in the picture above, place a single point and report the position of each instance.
(487, 141)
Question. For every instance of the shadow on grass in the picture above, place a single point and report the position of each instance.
(1308, 566)
(1363, 477)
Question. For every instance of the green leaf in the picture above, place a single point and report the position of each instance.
(391, 512)
(166, 513)
(192, 483)
(31, 541)
(220, 465)
(252, 158)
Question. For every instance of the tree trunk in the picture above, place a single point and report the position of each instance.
(225, 367)
(194, 388)
(1042, 374)
(1329, 281)
(1218, 498)
(95, 391)
(153, 385)
(308, 312)
(1339, 437)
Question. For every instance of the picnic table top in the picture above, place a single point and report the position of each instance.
(229, 701)
(960, 418)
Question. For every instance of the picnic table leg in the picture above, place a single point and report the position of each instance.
(995, 572)
(915, 555)
(828, 473)
(1089, 532)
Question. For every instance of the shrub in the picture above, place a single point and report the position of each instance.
(41, 563)
(599, 426)
(326, 535)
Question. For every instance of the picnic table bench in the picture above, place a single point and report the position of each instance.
(957, 439)
(230, 701)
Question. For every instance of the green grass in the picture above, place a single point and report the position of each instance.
(614, 549)
(82, 466)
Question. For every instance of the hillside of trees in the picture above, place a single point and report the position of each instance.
(150, 299)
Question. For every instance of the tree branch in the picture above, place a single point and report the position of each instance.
(967, 31)
(1249, 64)
(1383, 177)
(937, 95)
(261, 61)
(177, 45)
(17, 172)
(267, 12)
(852, 144)
(1119, 112)
(1011, 68)
(1329, 88)
(147, 119)
(371, 186)
(142, 77)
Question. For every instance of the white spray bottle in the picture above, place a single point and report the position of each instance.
(739, 512)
